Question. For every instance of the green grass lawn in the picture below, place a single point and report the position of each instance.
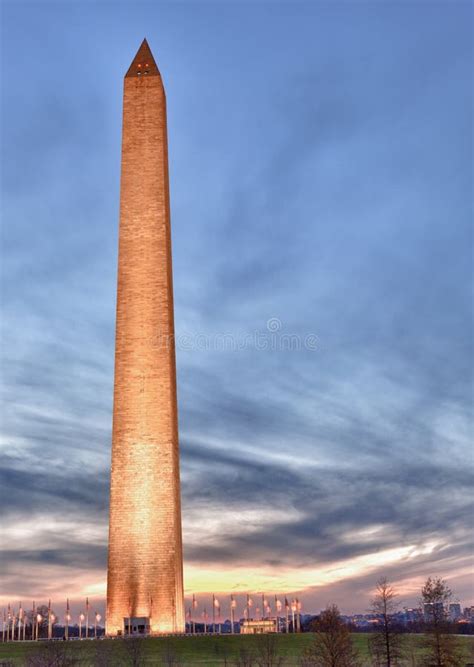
(205, 651)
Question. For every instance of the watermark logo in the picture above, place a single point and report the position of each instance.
(274, 324)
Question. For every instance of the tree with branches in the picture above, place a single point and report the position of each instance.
(332, 645)
(386, 642)
(268, 653)
(55, 654)
(442, 649)
(246, 657)
(134, 650)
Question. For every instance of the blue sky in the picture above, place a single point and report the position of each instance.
(321, 177)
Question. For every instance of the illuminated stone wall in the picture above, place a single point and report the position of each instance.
(145, 550)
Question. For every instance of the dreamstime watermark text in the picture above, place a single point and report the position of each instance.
(272, 338)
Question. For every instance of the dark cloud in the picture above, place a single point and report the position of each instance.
(52, 488)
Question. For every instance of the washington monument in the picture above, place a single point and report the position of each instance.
(145, 563)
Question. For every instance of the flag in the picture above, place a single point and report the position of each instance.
(195, 604)
(216, 603)
(287, 606)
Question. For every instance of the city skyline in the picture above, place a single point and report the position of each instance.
(320, 185)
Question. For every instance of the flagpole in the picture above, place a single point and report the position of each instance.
(216, 605)
(233, 605)
(276, 614)
(66, 629)
(213, 613)
(298, 615)
(38, 618)
(97, 620)
(87, 618)
(49, 620)
(194, 606)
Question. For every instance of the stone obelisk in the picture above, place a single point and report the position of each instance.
(145, 563)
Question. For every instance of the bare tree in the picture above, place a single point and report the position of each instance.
(106, 654)
(169, 656)
(386, 642)
(246, 658)
(267, 651)
(55, 654)
(221, 650)
(442, 649)
(134, 649)
(332, 645)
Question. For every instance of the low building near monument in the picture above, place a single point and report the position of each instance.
(257, 627)
(137, 626)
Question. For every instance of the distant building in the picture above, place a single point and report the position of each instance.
(258, 627)
(455, 611)
(412, 615)
(433, 610)
(468, 613)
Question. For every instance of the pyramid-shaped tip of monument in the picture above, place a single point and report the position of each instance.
(143, 64)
